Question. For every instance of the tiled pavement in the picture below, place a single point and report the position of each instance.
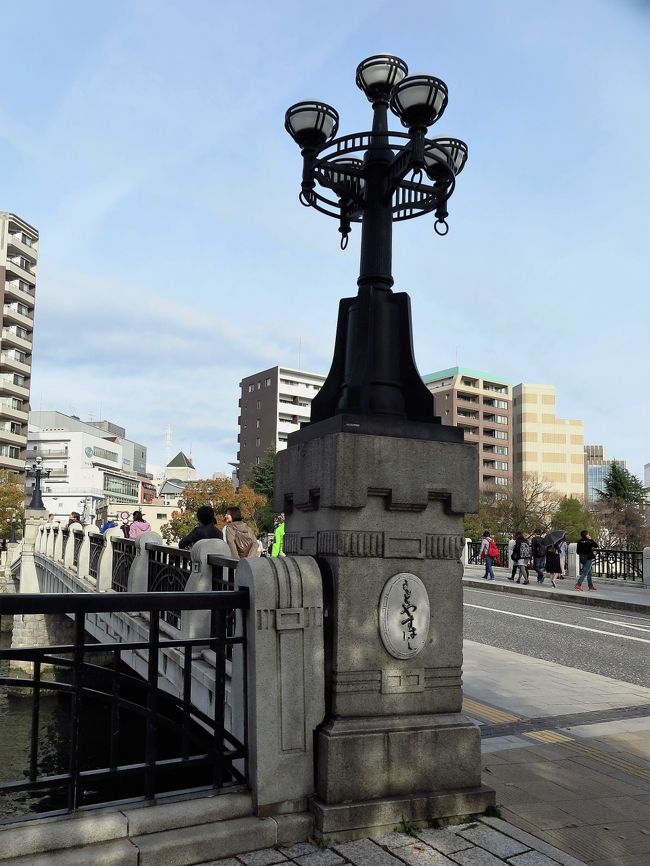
(487, 842)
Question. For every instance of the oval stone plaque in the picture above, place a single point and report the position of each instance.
(404, 615)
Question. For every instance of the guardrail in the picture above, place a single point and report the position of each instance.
(197, 751)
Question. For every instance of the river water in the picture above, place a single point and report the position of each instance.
(54, 739)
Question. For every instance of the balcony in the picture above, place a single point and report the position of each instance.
(7, 413)
(10, 438)
(13, 289)
(24, 249)
(46, 452)
(13, 389)
(8, 336)
(7, 360)
(12, 463)
(15, 267)
(14, 316)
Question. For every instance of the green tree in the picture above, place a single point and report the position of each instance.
(261, 475)
(220, 494)
(619, 483)
(573, 517)
(12, 502)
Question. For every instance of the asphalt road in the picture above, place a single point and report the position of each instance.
(602, 641)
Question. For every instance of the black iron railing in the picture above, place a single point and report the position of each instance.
(474, 553)
(223, 572)
(97, 545)
(198, 753)
(123, 555)
(78, 541)
(169, 571)
(618, 564)
(65, 535)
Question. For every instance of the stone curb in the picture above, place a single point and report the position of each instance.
(573, 598)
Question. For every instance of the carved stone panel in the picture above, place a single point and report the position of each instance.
(404, 615)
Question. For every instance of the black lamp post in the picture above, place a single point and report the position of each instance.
(12, 534)
(376, 178)
(36, 472)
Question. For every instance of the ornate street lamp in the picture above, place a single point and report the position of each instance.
(377, 178)
(36, 472)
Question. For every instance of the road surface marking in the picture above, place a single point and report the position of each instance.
(555, 738)
(555, 622)
(644, 628)
(490, 714)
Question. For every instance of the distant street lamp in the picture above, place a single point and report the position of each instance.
(376, 178)
(36, 472)
(12, 534)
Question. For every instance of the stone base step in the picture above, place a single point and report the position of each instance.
(179, 833)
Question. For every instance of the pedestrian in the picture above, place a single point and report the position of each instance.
(539, 554)
(562, 548)
(75, 517)
(138, 526)
(239, 536)
(206, 528)
(521, 555)
(552, 563)
(585, 550)
(109, 523)
(278, 537)
(486, 553)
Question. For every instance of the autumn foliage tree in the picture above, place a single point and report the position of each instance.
(220, 494)
(12, 502)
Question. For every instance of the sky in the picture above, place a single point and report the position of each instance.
(145, 140)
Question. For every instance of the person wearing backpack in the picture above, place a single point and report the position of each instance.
(539, 554)
(240, 537)
(489, 553)
(521, 555)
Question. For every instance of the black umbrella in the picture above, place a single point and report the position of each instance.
(553, 536)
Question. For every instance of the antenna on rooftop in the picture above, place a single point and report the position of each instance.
(168, 444)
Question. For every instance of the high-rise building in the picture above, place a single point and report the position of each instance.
(597, 468)
(18, 256)
(273, 404)
(546, 447)
(481, 405)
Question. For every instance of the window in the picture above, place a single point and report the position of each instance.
(501, 404)
(161, 517)
(257, 442)
(259, 404)
(501, 419)
(258, 423)
(268, 383)
(107, 455)
(259, 386)
(499, 464)
(251, 388)
(10, 451)
(121, 486)
(501, 449)
(500, 434)
(11, 403)
(502, 481)
(258, 460)
(21, 332)
(23, 309)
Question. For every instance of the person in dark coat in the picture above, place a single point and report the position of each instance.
(553, 566)
(205, 529)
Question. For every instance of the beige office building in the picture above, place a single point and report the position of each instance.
(481, 405)
(18, 255)
(547, 447)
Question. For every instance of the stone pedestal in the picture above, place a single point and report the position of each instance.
(383, 515)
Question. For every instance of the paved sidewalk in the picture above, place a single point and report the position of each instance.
(486, 842)
(609, 593)
(568, 753)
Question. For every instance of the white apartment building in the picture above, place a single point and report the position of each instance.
(92, 468)
(18, 256)
(273, 403)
